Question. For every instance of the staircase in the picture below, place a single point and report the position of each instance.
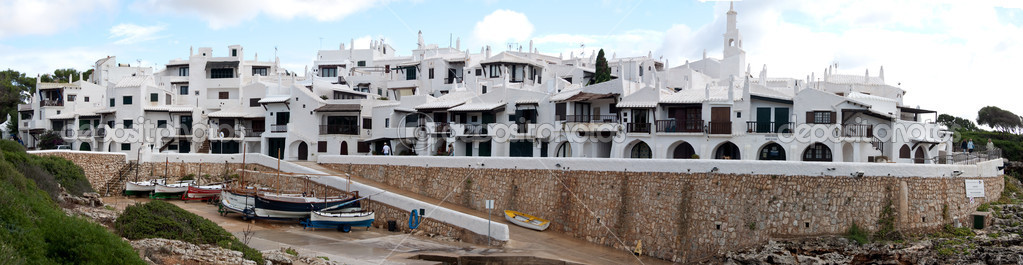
(117, 182)
(205, 147)
(877, 144)
(167, 144)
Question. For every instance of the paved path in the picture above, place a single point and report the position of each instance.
(523, 241)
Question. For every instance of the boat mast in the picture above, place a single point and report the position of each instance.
(166, 164)
(278, 171)
(243, 166)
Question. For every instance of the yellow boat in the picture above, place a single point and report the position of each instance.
(527, 221)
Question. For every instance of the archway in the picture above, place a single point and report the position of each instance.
(303, 151)
(904, 152)
(817, 152)
(772, 151)
(683, 150)
(848, 153)
(85, 147)
(564, 150)
(344, 148)
(919, 157)
(641, 150)
(727, 150)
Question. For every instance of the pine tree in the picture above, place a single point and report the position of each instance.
(603, 72)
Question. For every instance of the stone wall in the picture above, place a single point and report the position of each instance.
(99, 167)
(686, 217)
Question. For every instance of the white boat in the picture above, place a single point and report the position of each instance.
(140, 187)
(171, 190)
(526, 220)
(204, 191)
(292, 206)
(236, 202)
(342, 221)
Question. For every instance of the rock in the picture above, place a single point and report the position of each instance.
(278, 257)
(165, 251)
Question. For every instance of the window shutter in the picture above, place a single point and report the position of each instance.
(834, 117)
(809, 117)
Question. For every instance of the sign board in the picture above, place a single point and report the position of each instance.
(490, 204)
(974, 188)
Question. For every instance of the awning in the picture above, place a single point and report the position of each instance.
(106, 111)
(586, 96)
(227, 64)
(915, 110)
(63, 116)
(275, 99)
(339, 108)
(482, 106)
(178, 108)
(228, 114)
(636, 105)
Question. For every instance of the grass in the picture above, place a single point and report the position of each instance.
(47, 171)
(984, 207)
(34, 230)
(291, 251)
(857, 234)
(159, 219)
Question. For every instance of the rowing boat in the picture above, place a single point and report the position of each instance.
(526, 220)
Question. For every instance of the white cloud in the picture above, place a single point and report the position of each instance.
(500, 27)
(32, 62)
(227, 13)
(131, 33)
(43, 17)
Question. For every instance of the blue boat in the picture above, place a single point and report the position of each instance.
(283, 206)
(343, 221)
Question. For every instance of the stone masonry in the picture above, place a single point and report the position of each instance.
(98, 167)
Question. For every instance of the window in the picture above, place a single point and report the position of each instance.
(431, 73)
(128, 124)
(161, 124)
(495, 71)
(817, 152)
(223, 95)
(361, 63)
(71, 98)
(641, 150)
(234, 52)
(183, 71)
(86, 99)
(640, 71)
(111, 102)
(410, 73)
(283, 118)
(387, 122)
(484, 90)
(479, 72)
(367, 123)
(559, 111)
(321, 146)
(254, 102)
(820, 117)
(167, 99)
(387, 68)
(260, 71)
(328, 72)
(125, 100)
(222, 73)
(154, 97)
(125, 147)
(183, 90)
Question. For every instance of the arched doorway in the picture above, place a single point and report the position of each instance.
(919, 156)
(727, 150)
(641, 150)
(85, 147)
(848, 153)
(817, 152)
(344, 148)
(564, 150)
(303, 151)
(684, 150)
(772, 151)
(904, 152)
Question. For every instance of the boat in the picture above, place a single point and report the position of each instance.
(140, 187)
(173, 190)
(293, 206)
(527, 221)
(236, 201)
(343, 221)
(202, 192)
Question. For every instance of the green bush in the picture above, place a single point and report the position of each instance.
(45, 170)
(159, 219)
(984, 207)
(34, 230)
(857, 234)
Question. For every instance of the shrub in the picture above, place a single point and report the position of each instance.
(188, 177)
(291, 251)
(69, 175)
(159, 219)
(984, 207)
(857, 234)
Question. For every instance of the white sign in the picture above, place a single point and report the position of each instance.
(490, 203)
(974, 188)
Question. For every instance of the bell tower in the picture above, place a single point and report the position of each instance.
(734, 58)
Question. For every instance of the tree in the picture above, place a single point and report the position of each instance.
(50, 140)
(953, 122)
(603, 72)
(999, 119)
(13, 85)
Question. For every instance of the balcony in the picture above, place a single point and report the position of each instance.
(51, 102)
(68, 133)
(348, 129)
(589, 118)
(679, 126)
(474, 129)
(252, 133)
(858, 130)
(442, 127)
(101, 132)
(278, 128)
(719, 127)
(768, 127)
(639, 127)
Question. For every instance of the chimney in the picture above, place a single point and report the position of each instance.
(706, 92)
(731, 87)
(530, 45)
(866, 76)
(488, 51)
(458, 43)
(190, 51)
(881, 74)
(763, 75)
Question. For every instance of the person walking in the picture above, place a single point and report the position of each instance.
(962, 146)
(990, 145)
(387, 149)
(969, 146)
(451, 150)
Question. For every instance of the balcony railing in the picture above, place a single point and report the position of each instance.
(639, 127)
(590, 118)
(348, 129)
(68, 133)
(85, 133)
(442, 127)
(679, 126)
(51, 102)
(475, 129)
(101, 132)
(252, 133)
(858, 130)
(768, 127)
(719, 127)
(278, 128)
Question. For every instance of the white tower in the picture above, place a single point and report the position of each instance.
(734, 57)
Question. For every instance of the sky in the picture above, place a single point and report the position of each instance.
(949, 55)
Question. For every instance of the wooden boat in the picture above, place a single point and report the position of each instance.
(527, 221)
(235, 201)
(292, 206)
(202, 192)
(173, 190)
(140, 187)
(343, 221)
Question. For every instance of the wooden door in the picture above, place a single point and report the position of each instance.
(720, 120)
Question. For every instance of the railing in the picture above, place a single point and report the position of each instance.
(339, 129)
(101, 132)
(85, 133)
(677, 126)
(719, 127)
(768, 127)
(51, 102)
(69, 132)
(965, 158)
(442, 127)
(278, 128)
(858, 130)
(252, 133)
(590, 118)
(639, 127)
(475, 129)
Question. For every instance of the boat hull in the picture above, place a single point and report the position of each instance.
(138, 188)
(236, 202)
(527, 221)
(203, 191)
(269, 206)
(343, 221)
